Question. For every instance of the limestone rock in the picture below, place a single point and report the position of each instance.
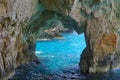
(55, 32)
(75, 11)
(59, 5)
(50, 34)
(13, 16)
(101, 53)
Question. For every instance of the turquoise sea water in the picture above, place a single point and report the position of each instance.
(62, 57)
(63, 53)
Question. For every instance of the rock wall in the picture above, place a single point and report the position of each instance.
(102, 51)
(20, 23)
(102, 35)
(14, 15)
(61, 6)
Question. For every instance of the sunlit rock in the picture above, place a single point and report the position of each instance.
(101, 53)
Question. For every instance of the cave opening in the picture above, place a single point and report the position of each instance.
(61, 56)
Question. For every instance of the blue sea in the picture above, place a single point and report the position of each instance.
(59, 60)
(62, 53)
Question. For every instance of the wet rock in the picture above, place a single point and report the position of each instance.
(32, 71)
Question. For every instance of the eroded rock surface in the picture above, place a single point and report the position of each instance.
(50, 34)
(14, 15)
(17, 35)
(55, 32)
(102, 36)
(102, 53)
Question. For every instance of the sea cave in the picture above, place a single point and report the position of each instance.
(59, 39)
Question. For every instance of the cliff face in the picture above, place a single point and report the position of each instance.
(102, 51)
(13, 16)
(102, 35)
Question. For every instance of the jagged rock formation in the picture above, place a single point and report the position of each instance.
(50, 34)
(17, 35)
(13, 16)
(53, 33)
(102, 52)
(102, 35)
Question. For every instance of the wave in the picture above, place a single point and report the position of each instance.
(38, 52)
(75, 45)
(51, 56)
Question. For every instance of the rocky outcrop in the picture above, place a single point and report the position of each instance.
(50, 34)
(61, 28)
(75, 11)
(102, 36)
(102, 52)
(14, 15)
(55, 32)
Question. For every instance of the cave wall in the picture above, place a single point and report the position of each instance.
(14, 14)
(102, 35)
(61, 6)
(17, 32)
(16, 37)
(84, 10)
